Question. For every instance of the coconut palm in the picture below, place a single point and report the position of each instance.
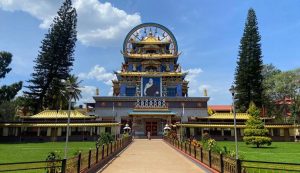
(72, 88)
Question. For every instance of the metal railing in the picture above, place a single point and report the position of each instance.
(57, 166)
(96, 158)
(250, 166)
(83, 162)
(225, 164)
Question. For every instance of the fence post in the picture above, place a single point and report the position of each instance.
(195, 151)
(190, 149)
(111, 147)
(79, 162)
(221, 163)
(185, 147)
(181, 145)
(97, 153)
(63, 165)
(238, 166)
(102, 152)
(89, 160)
(107, 147)
(209, 158)
(201, 154)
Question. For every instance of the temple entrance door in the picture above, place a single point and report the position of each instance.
(152, 128)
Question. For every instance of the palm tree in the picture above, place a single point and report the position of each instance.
(74, 84)
(71, 90)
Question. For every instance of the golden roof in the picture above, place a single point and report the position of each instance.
(216, 125)
(226, 116)
(58, 124)
(61, 114)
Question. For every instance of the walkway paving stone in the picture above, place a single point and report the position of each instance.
(151, 156)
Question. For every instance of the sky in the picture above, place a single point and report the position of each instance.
(208, 33)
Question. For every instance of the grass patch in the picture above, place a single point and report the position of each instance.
(288, 152)
(26, 152)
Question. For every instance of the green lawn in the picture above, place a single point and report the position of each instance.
(23, 152)
(277, 152)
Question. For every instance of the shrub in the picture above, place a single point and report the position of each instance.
(104, 138)
(255, 133)
(52, 166)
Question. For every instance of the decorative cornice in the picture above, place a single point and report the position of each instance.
(154, 74)
(151, 56)
(133, 99)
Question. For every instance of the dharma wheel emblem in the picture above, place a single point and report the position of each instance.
(152, 34)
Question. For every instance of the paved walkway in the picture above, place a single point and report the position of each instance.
(151, 156)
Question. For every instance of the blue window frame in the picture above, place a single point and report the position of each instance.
(171, 92)
(130, 91)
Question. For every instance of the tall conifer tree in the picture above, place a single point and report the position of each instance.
(7, 92)
(55, 60)
(248, 75)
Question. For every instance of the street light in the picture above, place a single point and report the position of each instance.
(70, 89)
(127, 128)
(167, 128)
(232, 91)
(115, 119)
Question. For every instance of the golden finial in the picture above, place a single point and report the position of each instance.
(97, 91)
(205, 92)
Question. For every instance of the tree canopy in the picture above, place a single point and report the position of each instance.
(7, 92)
(55, 60)
(248, 75)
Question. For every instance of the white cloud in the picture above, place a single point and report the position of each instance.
(99, 73)
(193, 78)
(99, 24)
(87, 93)
(110, 93)
(42, 10)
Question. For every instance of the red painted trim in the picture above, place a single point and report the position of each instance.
(196, 160)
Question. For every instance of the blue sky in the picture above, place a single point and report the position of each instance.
(208, 35)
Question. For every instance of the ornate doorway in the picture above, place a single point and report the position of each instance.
(151, 127)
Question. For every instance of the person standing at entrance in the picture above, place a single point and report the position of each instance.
(149, 135)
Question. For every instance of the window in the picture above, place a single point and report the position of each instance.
(171, 92)
(130, 91)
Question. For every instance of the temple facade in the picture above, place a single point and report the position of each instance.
(150, 90)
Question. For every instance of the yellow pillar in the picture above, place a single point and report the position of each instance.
(232, 132)
(192, 131)
(272, 132)
(5, 131)
(49, 131)
(281, 132)
(91, 131)
(242, 132)
(16, 131)
(222, 131)
(38, 131)
(59, 132)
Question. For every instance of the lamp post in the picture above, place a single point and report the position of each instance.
(115, 119)
(232, 91)
(181, 117)
(70, 90)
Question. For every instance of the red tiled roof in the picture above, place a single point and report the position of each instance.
(220, 107)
